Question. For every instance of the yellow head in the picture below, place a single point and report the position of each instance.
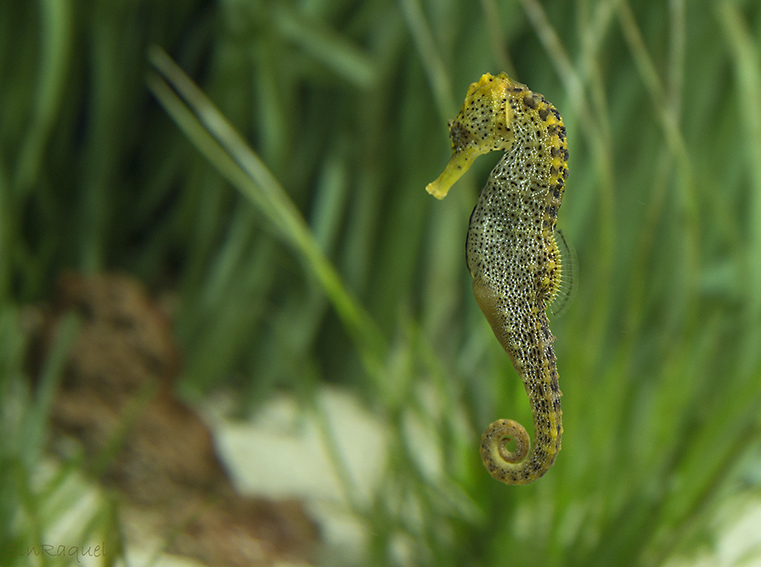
(481, 126)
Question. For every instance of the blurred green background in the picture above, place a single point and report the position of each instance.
(321, 259)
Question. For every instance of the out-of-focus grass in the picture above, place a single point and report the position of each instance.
(331, 261)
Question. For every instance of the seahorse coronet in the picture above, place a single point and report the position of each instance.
(512, 254)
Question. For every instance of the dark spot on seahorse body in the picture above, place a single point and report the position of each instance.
(544, 113)
(530, 100)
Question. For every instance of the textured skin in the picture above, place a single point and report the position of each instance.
(512, 254)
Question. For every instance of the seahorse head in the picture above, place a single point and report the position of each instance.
(481, 126)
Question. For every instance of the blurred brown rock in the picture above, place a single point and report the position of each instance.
(116, 397)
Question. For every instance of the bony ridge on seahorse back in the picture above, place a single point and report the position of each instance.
(512, 254)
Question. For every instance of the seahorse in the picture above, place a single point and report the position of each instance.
(512, 254)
